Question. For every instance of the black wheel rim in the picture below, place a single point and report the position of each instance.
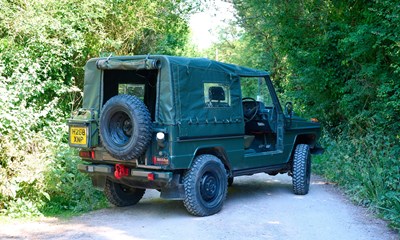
(209, 187)
(120, 128)
(123, 188)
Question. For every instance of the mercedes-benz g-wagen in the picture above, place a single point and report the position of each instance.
(186, 127)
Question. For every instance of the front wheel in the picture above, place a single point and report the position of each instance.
(301, 169)
(230, 181)
(121, 195)
(205, 186)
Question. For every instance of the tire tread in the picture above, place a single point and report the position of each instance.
(191, 203)
(115, 197)
(143, 123)
(301, 178)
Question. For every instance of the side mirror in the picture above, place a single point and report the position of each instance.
(289, 109)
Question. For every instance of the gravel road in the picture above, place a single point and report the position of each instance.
(257, 207)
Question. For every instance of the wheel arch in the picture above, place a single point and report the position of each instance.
(217, 151)
(308, 138)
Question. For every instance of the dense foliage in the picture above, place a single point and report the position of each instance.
(44, 45)
(339, 61)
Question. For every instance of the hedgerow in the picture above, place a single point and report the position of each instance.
(43, 48)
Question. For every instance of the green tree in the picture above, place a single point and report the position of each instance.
(339, 61)
(43, 48)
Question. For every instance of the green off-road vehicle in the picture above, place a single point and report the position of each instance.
(186, 127)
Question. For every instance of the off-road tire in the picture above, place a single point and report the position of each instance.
(205, 185)
(121, 195)
(125, 127)
(230, 181)
(301, 169)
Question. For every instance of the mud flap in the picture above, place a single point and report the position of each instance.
(98, 181)
(174, 190)
(317, 150)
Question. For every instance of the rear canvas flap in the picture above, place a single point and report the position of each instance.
(141, 64)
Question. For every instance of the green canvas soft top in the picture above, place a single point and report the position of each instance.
(187, 73)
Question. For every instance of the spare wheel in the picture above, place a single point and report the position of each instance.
(125, 127)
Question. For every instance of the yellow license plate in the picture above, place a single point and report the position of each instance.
(78, 135)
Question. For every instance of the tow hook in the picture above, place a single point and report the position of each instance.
(121, 171)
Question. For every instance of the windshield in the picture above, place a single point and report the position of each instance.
(256, 88)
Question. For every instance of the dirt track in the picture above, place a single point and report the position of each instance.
(257, 207)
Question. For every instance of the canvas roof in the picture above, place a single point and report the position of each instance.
(174, 72)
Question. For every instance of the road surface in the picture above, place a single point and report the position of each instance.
(257, 207)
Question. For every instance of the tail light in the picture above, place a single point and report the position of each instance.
(150, 177)
(160, 160)
(87, 154)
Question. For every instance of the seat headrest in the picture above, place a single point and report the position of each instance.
(216, 93)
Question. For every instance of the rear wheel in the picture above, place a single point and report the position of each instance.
(121, 195)
(301, 169)
(205, 186)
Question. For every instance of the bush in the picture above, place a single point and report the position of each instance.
(339, 64)
(43, 48)
(25, 152)
(70, 189)
(33, 158)
(367, 168)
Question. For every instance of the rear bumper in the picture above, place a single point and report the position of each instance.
(101, 169)
(167, 182)
(138, 174)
